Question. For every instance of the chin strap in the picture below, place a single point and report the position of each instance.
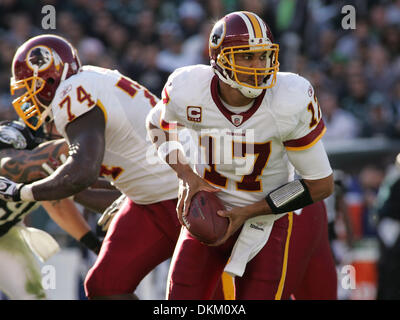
(47, 114)
(250, 92)
(65, 71)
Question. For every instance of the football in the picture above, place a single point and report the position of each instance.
(202, 220)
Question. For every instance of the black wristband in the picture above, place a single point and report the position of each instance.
(17, 195)
(289, 197)
(91, 242)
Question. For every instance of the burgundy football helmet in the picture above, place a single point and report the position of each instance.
(38, 67)
(243, 32)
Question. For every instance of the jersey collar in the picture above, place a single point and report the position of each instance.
(239, 117)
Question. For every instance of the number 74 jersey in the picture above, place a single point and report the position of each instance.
(245, 154)
(130, 161)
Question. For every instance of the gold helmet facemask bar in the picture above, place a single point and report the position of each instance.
(226, 59)
(27, 105)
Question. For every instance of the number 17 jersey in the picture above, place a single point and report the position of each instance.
(245, 154)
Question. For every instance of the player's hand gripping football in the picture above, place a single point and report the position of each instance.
(189, 185)
(237, 217)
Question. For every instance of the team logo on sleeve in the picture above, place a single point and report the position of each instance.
(310, 91)
(193, 113)
(165, 96)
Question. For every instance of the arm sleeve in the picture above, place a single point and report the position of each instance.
(302, 126)
(154, 116)
(311, 163)
(165, 114)
(310, 138)
(168, 116)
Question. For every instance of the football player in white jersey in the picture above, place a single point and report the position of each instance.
(102, 114)
(21, 160)
(251, 124)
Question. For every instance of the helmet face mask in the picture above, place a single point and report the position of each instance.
(226, 59)
(247, 34)
(38, 68)
(27, 105)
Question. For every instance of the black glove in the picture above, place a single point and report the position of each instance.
(9, 190)
(90, 241)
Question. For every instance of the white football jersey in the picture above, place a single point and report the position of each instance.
(130, 160)
(244, 154)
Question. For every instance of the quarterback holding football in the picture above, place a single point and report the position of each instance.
(252, 126)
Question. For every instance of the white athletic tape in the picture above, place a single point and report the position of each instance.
(49, 170)
(63, 158)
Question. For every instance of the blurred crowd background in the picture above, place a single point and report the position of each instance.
(355, 72)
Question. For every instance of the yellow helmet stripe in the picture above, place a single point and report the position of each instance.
(255, 23)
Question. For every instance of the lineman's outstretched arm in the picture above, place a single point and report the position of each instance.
(86, 150)
(26, 165)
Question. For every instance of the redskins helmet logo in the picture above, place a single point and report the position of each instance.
(39, 58)
(217, 34)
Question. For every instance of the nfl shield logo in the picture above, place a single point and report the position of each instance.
(237, 119)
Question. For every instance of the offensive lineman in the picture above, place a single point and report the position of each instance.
(250, 123)
(101, 113)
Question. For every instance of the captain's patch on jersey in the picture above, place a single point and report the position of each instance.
(193, 113)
